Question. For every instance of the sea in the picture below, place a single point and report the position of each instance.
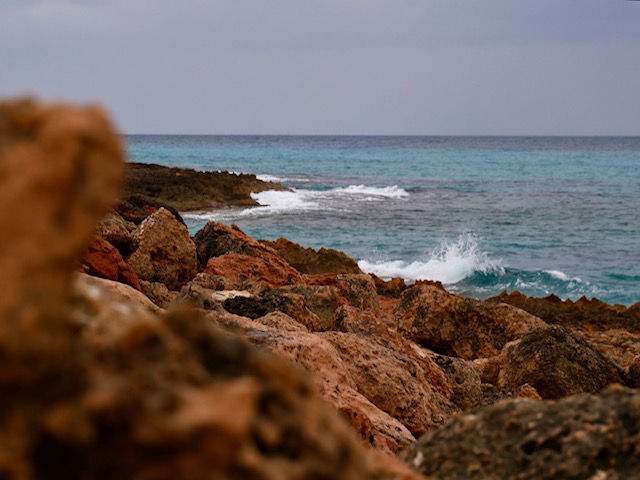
(541, 215)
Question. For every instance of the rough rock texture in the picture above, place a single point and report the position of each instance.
(59, 172)
(335, 383)
(117, 231)
(580, 437)
(464, 380)
(457, 326)
(243, 269)
(95, 384)
(557, 364)
(158, 293)
(187, 189)
(103, 260)
(634, 373)
(162, 251)
(393, 381)
(310, 261)
(136, 208)
(588, 314)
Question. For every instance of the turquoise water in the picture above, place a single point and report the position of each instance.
(481, 214)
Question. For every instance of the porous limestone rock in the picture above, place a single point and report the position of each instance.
(453, 325)
(103, 260)
(580, 437)
(557, 364)
(162, 251)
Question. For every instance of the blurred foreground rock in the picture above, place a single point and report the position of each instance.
(95, 381)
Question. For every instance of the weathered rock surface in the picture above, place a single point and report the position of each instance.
(103, 260)
(393, 381)
(96, 384)
(580, 437)
(187, 189)
(162, 251)
(313, 262)
(136, 208)
(587, 314)
(461, 327)
(245, 269)
(557, 364)
(117, 231)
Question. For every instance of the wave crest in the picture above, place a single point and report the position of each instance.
(449, 263)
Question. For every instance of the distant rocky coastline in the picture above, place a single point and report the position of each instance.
(186, 189)
(129, 349)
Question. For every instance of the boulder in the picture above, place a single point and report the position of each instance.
(580, 437)
(557, 364)
(117, 231)
(103, 260)
(245, 269)
(393, 381)
(456, 326)
(310, 261)
(158, 293)
(634, 372)
(376, 428)
(464, 380)
(162, 251)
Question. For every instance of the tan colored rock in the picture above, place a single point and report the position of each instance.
(162, 251)
(457, 326)
(117, 231)
(393, 381)
(331, 376)
(556, 363)
(158, 293)
(463, 379)
(60, 169)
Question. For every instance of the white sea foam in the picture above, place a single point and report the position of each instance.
(271, 178)
(449, 263)
(275, 201)
(389, 192)
(562, 276)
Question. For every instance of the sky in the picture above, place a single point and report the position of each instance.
(352, 67)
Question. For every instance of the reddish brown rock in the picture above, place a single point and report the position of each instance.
(557, 364)
(162, 251)
(103, 260)
(358, 290)
(464, 380)
(310, 261)
(461, 327)
(244, 269)
(391, 288)
(580, 437)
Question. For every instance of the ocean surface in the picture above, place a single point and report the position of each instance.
(540, 215)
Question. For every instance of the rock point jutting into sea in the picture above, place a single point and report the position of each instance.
(130, 349)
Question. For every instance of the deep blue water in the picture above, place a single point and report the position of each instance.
(538, 214)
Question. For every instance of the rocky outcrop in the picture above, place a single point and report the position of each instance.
(313, 262)
(187, 189)
(162, 251)
(117, 231)
(136, 208)
(457, 326)
(557, 364)
(246, 269)
(584, 436)
(91, 371)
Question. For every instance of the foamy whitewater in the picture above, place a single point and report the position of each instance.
(480, 214)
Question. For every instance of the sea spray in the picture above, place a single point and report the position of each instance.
(449, 263)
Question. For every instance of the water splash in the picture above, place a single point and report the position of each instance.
(449, 263)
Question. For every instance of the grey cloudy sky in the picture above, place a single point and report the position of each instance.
(495, 67)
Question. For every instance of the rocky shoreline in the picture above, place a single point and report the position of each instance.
(132, 350)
